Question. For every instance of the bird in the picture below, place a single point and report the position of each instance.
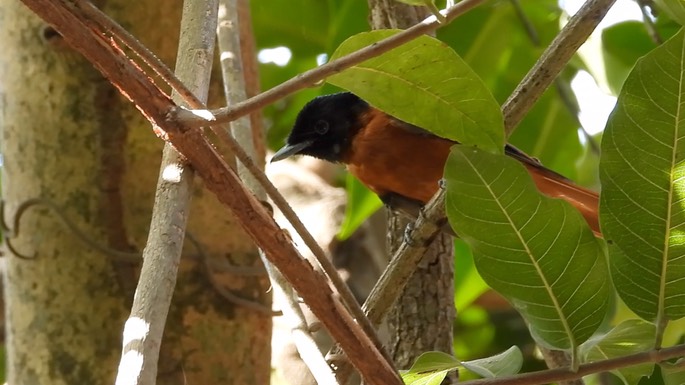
(400, 162)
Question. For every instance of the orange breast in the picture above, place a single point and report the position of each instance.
(390, 159)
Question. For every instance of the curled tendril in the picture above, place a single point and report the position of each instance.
(12, 232)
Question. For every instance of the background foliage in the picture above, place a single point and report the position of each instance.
(500, 41)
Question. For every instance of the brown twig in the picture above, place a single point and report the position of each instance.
(94, 14)
(233, 74)
(400, 269)
(227, 114)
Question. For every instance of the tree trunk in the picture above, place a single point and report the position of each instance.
(72, 141)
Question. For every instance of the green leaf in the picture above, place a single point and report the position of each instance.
(535, 251)
(430, 369)
(641, 170)
(425, 83)
(629, 337)
(673, 374)
(506, 363)
(493, 41)
(623, 44)
(361, 203)
(675, 9)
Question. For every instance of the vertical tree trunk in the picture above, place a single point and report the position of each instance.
(70, 139)
(63, 304)
(423, 317)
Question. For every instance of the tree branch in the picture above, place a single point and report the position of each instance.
(556, 375)
(229, 37)
(552, 61)
(162, 254)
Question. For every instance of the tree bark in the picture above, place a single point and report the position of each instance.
(69, 138)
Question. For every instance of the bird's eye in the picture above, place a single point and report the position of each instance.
(321, 127)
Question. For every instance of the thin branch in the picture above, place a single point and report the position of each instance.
(252, 79)
(162, 253)
(552, 61)
(562, 86)
(396, 276)
(229, 38)
(556, 375)
(149, 58)
(227, 114)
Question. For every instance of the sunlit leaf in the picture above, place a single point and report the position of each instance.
(506, 363)
(629, 337)
(537, 252)
(430, 369)
(642, 170)
(425, 83)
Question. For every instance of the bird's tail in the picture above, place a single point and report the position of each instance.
(556, 186)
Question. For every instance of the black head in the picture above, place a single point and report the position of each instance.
(325, 127)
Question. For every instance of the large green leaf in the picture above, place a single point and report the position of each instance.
(537, 252)
(643, 190)
(493, 40)
(629, 337)
(425, 83)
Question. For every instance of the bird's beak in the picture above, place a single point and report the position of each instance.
(289, 150)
